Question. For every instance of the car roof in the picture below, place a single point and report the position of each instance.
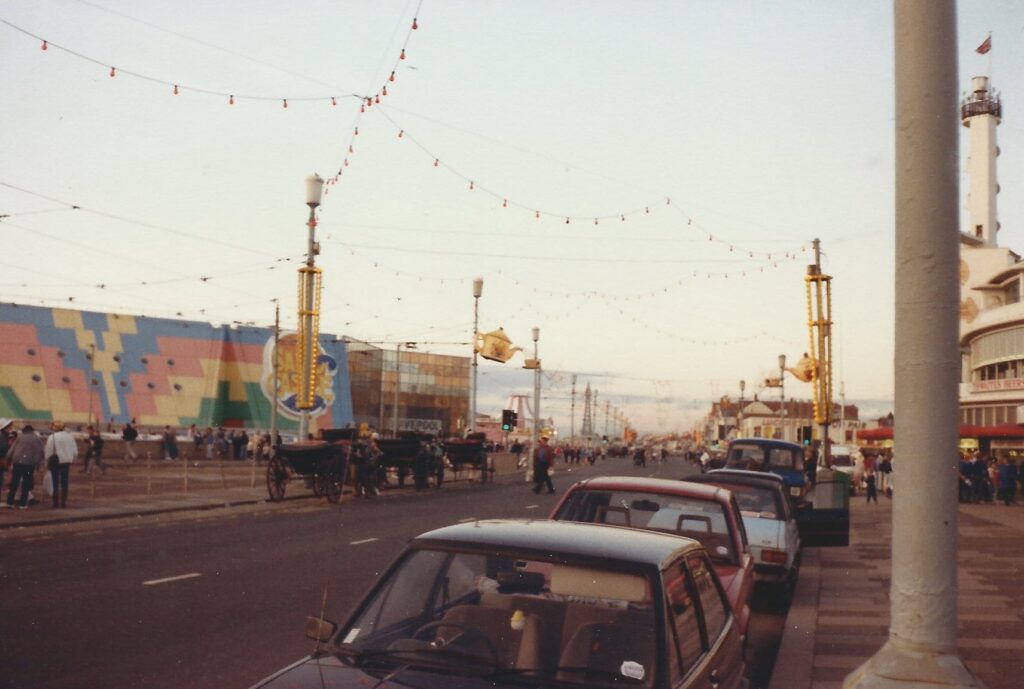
(655, 485)
(744, 477)
(767, 442)
(573, 539)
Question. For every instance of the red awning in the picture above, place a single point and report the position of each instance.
(1004, 430)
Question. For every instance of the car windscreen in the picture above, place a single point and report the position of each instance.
(703, 520)
(757, 457)
(842, 461)
(765, 502)
(465, 612)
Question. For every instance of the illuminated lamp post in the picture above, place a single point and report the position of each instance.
(309, 310)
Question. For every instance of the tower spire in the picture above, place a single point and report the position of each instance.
(981, 112)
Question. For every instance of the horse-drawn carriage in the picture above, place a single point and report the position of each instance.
(322, 465)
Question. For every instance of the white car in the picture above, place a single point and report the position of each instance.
(768, 519)
(848, 460)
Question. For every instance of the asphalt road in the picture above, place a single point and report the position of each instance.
(220, 599)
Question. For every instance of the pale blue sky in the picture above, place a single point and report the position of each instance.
(767, 123)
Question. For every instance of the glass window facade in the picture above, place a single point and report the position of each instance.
(433, 389)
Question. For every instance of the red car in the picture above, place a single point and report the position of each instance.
(705, 513)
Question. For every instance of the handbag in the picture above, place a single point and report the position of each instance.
(53, 461)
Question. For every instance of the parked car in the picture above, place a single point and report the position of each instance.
(680, 508)
(773, 456)
(769, 521)
(847, 460)
(520, 603)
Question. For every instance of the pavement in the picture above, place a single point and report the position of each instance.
(155, 486)
(839, 616)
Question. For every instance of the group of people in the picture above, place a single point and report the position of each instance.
(982, 479)
(26, 452)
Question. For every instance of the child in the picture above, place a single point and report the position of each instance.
(869, 478)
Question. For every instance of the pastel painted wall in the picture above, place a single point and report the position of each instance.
(159, 371)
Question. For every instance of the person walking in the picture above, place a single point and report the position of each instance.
(129, 435)
(438, 463)
(25, 455)
(421, 466)
(543, 460)
(5, 444)
(1007, 480)
(170, 442)
(869, 479)
(94, 450)
(61, 450)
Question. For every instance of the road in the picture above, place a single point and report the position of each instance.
(220, 599)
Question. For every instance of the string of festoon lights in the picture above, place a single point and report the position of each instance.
(677, 283)
(230, 97)
(770, 258)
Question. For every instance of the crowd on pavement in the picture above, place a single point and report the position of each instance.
(984, 480)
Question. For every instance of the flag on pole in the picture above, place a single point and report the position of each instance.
(984, 47)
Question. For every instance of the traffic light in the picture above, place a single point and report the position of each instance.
(806, 435)
(508, 420)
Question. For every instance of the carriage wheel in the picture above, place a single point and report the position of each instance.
(277, 479)
(332, 487)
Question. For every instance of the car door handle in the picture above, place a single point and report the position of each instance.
(714, 679)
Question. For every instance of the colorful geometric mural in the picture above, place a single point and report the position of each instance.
(158, 371)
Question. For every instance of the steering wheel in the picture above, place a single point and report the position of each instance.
(467, 635)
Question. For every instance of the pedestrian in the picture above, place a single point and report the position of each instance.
(869, 479)
(6, 425)
(543, 460)
(25, 455)
(129, 435)
(61, 450)
(197, 441)
(170, 443)
(421, 466)
(208, 440)
(94, 450)
(885, 475)
(1007, 480)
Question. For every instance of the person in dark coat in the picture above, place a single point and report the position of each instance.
(26, 456)
(543, 460)
(421, 466)
(869, 479)
(1007, 480)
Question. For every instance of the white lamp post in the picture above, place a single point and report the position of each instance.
(739, 413)
(308, 312)
(478, 289)
(782, 395)
(536, 390)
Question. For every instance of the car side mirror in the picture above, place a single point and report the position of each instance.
(319, 629)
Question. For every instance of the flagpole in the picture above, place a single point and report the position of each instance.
(989, 55)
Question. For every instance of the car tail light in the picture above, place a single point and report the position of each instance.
(774, 556)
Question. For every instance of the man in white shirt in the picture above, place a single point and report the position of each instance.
(60, 451)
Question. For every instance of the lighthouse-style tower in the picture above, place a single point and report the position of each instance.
(981, 112)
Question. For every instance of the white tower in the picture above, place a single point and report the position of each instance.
(980, 112)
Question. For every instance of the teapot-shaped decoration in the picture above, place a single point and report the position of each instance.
(495, 346)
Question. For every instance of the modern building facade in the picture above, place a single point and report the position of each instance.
(429, 391)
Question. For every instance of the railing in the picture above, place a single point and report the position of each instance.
(981, 107)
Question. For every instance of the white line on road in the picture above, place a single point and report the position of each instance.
(532, 507)
(365, 540)
(151, 582)
(467, 519)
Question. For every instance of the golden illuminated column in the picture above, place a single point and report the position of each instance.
(309, 310)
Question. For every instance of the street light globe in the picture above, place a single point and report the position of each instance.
(536, 334)
(478, 287)
(743, 386)
(314, 188)
(782, 361)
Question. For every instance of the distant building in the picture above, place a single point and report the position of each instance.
(765, 419)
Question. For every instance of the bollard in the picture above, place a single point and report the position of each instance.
(149, 473)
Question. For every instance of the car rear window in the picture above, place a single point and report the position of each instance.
(703, 520)
(757, 501)
(761, 457)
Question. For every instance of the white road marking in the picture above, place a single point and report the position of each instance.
(467, 519)
(532, 507)
(165, 580)
(365, 540)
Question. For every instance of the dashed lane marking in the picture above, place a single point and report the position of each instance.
(365, 540)
(532, 507)
(467, 519)
(166, 580)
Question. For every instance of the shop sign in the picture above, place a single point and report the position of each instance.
(420, 425)
(999, 384)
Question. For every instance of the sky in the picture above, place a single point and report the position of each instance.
(728, 135)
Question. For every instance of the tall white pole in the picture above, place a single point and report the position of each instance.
(536, 390)
(308, 309)
(921, 649)
(478, 289)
